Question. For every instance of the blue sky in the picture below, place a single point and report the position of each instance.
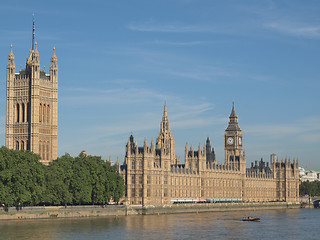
(119, 60)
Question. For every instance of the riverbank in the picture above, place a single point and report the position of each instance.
(120, 210)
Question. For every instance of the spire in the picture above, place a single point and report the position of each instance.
(165, 108)
(11, 55)
(165, 125)
(233, 120)
(233, 112)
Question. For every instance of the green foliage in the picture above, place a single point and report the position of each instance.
(67, 180)
(21, 178)
(310, 188)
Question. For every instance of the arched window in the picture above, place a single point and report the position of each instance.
(17, 145)
(43, 152)
(22, 145)
(47, 151)
(40, 149)
(40, 113)
(48, 114)
(23, 113)
(28, 113)
(18, 113)
(43, 113)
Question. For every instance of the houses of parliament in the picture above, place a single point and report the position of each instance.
(154, 176)
(152, 173)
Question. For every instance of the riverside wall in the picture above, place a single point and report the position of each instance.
(120, 210)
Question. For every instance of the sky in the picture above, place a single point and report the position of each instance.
(119, 61)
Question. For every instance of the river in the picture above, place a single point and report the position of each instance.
(275, 224)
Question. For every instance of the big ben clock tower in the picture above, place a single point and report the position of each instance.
(233, 143)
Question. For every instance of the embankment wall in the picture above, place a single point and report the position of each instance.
(119, 210)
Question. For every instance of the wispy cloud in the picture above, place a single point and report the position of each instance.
(291, 29)
(174, 28)
(191, 43)
(306, 129)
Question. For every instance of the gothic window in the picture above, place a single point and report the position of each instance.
(133, 192)
(140, 192)
(148, 192)
(43, 151)
(23, 113)
(54, 72)
(47, 151)
(133, 179)
(48, 114)
(140, 179)
(165, 179)
(165, 192)
(133, 165)
(40, 113)
(28, 113)
(148, 179)
(40, 148)
(140, 164)
(17, 145)
(22, 145)
(44, 113)
(18, 113)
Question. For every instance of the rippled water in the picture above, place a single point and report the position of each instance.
(275, 224)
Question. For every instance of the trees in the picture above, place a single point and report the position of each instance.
(67, 180)
(21, 178)
(310, 188)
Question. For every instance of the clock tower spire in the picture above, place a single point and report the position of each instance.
(233, 144)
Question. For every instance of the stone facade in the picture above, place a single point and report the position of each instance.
(154, 176)
(32, 107)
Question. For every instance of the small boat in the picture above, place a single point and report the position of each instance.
(251, 219)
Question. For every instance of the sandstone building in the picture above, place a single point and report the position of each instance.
(32, 106)
(154, 176)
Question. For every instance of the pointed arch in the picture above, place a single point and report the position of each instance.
(18, 113)
(23, 113)
(48, 114)
(17, 145)
(43, 113)
(40, 113)
(22, 145)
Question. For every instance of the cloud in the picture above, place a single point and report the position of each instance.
(173, 28)
(306, 129)
(191, 43)
(290, 29)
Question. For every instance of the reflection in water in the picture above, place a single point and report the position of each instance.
(275, 224)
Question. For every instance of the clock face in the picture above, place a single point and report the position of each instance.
(230, 140)
(240, 141)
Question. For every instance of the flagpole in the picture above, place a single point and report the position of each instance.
(32, 31)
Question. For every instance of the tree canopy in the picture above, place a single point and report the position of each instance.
(67, 180)
(310, 188)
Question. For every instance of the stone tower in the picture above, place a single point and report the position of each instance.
(165, 139)
(233, 143)
(32, 107)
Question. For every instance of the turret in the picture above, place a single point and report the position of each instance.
(54, 67)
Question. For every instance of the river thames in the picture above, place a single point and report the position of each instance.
(275, 224)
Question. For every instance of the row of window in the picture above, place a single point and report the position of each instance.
(22, 113)
(44, 150)
(156, 192)
(22, 145)
(44, 113)
(157, 179)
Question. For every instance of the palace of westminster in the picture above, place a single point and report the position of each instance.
(153, 175)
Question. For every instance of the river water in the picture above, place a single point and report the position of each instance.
(275, 224)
